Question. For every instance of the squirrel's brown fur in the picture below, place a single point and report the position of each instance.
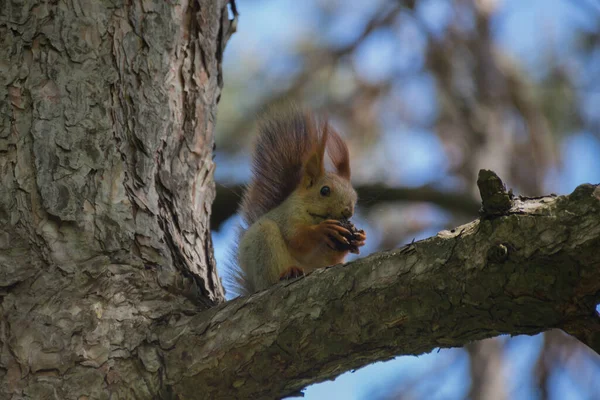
(281, 150)
(288, 220)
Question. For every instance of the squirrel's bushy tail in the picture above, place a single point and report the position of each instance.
(235, 281)
(284, 142)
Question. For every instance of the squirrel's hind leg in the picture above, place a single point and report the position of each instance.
(291, 273)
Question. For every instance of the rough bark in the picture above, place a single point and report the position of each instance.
(106, 175)
(534, 268)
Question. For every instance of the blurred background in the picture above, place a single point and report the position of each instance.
(427, 92)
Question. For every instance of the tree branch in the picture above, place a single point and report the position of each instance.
(228, 198)
(532, 269)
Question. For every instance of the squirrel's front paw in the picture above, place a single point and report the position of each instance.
(291, 273)
(358, 239)
(334, 233)
(355, 238)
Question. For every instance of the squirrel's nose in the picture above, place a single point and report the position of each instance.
(347, 213)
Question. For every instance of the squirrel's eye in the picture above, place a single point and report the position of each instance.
(325, 191)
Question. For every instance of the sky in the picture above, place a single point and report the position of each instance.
(269, 27)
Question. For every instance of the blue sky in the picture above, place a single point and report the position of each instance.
(269, 28)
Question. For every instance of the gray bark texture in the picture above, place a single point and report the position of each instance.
(108, 287)
(534, 268)
(107, 113)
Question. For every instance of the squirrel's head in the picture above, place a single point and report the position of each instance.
(328, 195)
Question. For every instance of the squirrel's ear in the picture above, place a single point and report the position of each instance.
(314, 168)
(338, 152)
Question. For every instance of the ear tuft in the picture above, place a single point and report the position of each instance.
(338, 152)
(313, 170)
(314, 167)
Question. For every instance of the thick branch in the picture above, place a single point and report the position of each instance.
(532, 269)
(228, 198)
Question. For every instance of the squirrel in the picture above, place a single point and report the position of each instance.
(295, 212)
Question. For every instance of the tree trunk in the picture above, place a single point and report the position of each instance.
(106, 176)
